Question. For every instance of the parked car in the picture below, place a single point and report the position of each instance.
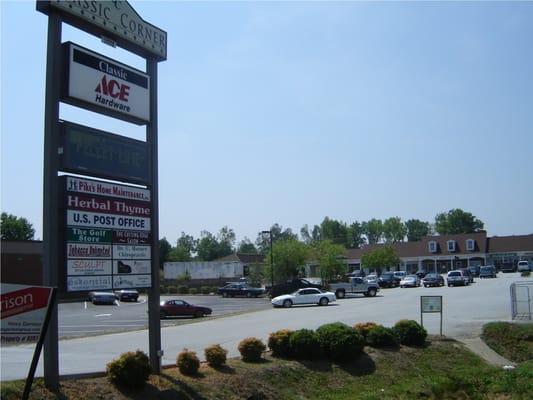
(474, 270)
(410, 281)
(240, 289)
(372, 278)
(354, 286)
(388, 280)
(433, 279)
(399, 274)
(421, 274)
(102, 297)
(171, 308)
(127, 295)
(523, 266)
(508, 267)
(457, 278)
(356, 274)
(304, 296)
(466, 272)
(487, 271)
(291, 286)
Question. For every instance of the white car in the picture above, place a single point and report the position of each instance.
(304, 296)
(410, 281)
(372, 278)
(523, 266)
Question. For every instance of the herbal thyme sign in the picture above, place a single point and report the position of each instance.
(95, 81)
(114, 19)
(108, 235)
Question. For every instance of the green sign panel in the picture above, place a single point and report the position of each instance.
(89, 235)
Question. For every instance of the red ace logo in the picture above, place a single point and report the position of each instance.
(113, 88)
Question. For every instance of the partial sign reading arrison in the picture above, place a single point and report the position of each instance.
(108, 235)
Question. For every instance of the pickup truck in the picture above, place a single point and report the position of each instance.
(355, 285)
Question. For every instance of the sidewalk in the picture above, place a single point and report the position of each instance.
(477, 346)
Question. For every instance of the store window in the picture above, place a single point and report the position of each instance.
(432, 246)
(470, 244)
(451, 245)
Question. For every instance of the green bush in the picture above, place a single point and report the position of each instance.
(379, 336)
(525, 273)
(364, 327)
(130, 369)
(278, 343)
(187, 362)
(193, 290)
(214, 289)
(205, 290)
(410, 332)
(339, 341)
(251, 349)
(172, 290)
(183, 289)
(304, 344)
(215, 355)
(162, 289)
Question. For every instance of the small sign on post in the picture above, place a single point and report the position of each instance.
(431, 304)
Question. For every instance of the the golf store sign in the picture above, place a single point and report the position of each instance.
(108, 235)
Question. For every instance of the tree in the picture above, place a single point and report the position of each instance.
(383, 256)
(331, 259)
(207, 248)
(246, 246)
(15, 228)
(184, 250)
(416, 229)
(333, 230)
(305, 235)
(394, 230)
(226, 241)
(263, 240)
(457, 221)
(290, 256)
(164, 249)
(256, 274)
(373, 230)
(355, 238)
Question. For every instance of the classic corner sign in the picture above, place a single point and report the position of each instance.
(112, 19)
(104, 85)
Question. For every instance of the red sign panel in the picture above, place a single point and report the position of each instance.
(21, 301)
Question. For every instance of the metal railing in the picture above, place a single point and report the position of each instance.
(521, 300)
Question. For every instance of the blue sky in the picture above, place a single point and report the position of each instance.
(288, 112)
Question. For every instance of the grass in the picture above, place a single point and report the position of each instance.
(441, 370)
(512, 341)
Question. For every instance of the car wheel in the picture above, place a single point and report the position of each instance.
(287, 304)
(162, 314)
(323, 301)
(371, 292)
(340, 294)
(248, 295)
(449, 285)
(224, 294)
(198, 314)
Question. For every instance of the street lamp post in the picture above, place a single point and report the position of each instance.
(271, 257)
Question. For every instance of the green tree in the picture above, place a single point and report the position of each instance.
(278, 233)
(373, 230)
(184, 250)
(416, 229)
(305, 235)
(256, 274)
(290, 256)
(457, 221)
(355, 235)
(226, 241)
(207, 248)
(383, 256)
(246, 246)
(164, 250)
(394, 230)
(333, 230)
(331, 258)
(15, 228)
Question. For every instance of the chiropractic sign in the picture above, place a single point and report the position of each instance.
(108, 235)
(105, 85)
(23, 309)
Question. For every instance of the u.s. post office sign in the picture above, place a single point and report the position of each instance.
(106, 86)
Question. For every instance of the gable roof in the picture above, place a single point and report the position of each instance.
(245, 258)
(506, 244)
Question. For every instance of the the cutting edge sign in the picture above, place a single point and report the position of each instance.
(23, 309)
(106, 84)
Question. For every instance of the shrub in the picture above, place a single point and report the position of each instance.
(525, 273)
(278, 342)
(364, 327)
(130, 369)
(379, 336)
(339, 341)
(183, 289)
(215, 355)
(205, 290)
(304, 344)
(214, 289)
(193, 290)
(187, 362)
(410, 332)
(251, 349)
(162, 289)
(172, 290)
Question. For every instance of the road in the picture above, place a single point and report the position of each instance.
(466, 309)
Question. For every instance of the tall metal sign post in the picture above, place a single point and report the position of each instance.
(100, 234)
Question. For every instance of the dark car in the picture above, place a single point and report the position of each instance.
(102, 297)
(240, 289)
(175, 308)
(488, 271)
(508, 267)
(433, 280)
(466, 272)
(474, 270)
(292, 286)
(389, 280)
(421, 274)
(127, 295)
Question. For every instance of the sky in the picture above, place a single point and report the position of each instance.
(287, 112)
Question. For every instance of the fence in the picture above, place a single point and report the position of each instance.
(521, 299)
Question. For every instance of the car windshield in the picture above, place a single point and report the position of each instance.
(454, 273)
(431, 275)
(486, 269)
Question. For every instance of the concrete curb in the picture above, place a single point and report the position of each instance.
(479, 347)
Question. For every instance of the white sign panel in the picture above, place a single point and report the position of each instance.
(130, 281)
(82, 250)
(131, 252)
(85, 283)
(89, 267)
(108, 84)
(110, 221)
(131, 267)
(431, 304)
(86, 186)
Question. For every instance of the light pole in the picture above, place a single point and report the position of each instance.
(271, 257)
